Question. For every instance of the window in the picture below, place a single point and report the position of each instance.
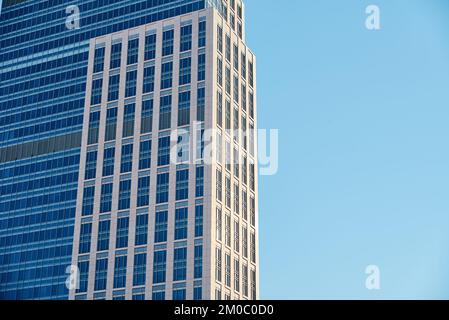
(131, 82)
(165, 112)
(83, 268)
(236, 275)
(251, 104)
(111, 124)
(113, 90)
(128, 120)
(219, 109)
(120, 272)
(198, 221)
(228, 192)
(236, 163)
(218, 270)
(146, 125)
(180, 264)
(244, 205)
(236, 57)
(201, 67)
(94, 124)
(236, 90)
(201, 103)
(181, 220)
(139, 297)
(186, 38)
(185, 71)
(127, 158)
(251, 73)
(116, 53)
(104, 228)
(99, 60)
(122, 233)
(141, 229)
(219, 72)
(162, 188)
(182, 185)
(253, 285)
(236, 198)
(184, 108)
(139, 272)
(85, 235)
(159, 266)
(228, 80)
(252, 245)
(243, 71)
(251, 176)
(197, 293)
(160, 233)
(228, 230)
(202, 34)
(199, 182)
(219, 185)
(148, 79)
(245, 241)
(198, 262)
(244, 169)
(145, 155)
(97, 86)
(108, 162)
(106, 198)
(218, 227)
(243, 96)
(101, 270)
(88, 201)
(158, 295)
(245, 280)
(228, 270)
(228, 115)
(220, 39)
(179, 294)
(252, 209)
(150, 47)
(124, 200)
(163, 157)
(143, 192)
(167, 42)
(236, 236)
(228, 48)
(133, 51)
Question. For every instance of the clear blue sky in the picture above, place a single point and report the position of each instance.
(364, 147)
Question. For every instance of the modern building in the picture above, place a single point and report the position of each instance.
(128, 158)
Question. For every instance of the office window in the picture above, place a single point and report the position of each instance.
(198, 221)
(180, 264)
(150, 47)
(244, 205)
(113, 89)
(127, 158)
(245, 241)
(124, 200)
(122, 233)
(99, 60)
(219, 185)
(83, 268)
(185, 71)
(184, 108)
(243, 71)
(159, 266)
(106, 198)
(220, 39)
(236, 198)
(85, 238)
(133, 51)
(236, 57)
(236, 90)
(236, 163)
(120, 272)
(163, 157)
(228, 48)
(201, 103)
(236, 275)
(251, 73)
(227, 270)
(244, 169)
(143, 192)
(145, 155)
(186, 38)
(228, 192)
(199, 182)
(252, 209)
(139, 272)
(162, 188)
(146, 125)
(228, 115)
(197, 293)
(245, 280)
(202, 34)
(101, 271)
(181, 220)
(253, 285)
(141, 230)
(252, 245)
(111, 124)
(167, 75)
(179, 294)
(97, 86)
(158, 295)
(243, 96)
(104, 228)
(165, 112)
(201, 67)
(116, 56)
(131, 82)
(218, 226)
(94, 124)
(236, 236)
(251, 176)
(138, 297)
(88, 201)
(198, 262)
(228, 230)
(219, 109)
(182, 184)
(167, 42)
(219, 72)
(218, 270)
(148, 79)
(161, 225)
(244, 132)
(128, 120)
(251, 104)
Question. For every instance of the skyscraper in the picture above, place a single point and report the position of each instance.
(127, 151)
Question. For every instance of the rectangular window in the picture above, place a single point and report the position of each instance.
(243, 96)
(131, 83)
(236, 236)
(184, 108)
(252, 209)
(101, 271)
(88, 201)
(251, 104)
(143, 192)
(245, 280)
(228, 48)
(179, 294)
(122, 233)
(228, 115)
(128, 120)
(219, 109)
(186, 38)
(180, 264)
(141, 230)
(97, 86)
(251, 176)
(113, 89)
(236, 198)
(228, 192)
(139, 272)
(162, 188)
(185, 71)
(133, 51)
(244, 205)
(201, 103)
(124, 201)
(127, 158)
(198, 221)
(252, 245)
(116, 56)
(181, 220)
(243, 71)
(201, 67)
(163, 156)
(99, 60)
(228, 80)
(94, 124)
(228, 270)
(199, 182)
(106, 198)
(167, 42)
(218, 270)
(220, 39)
(245, 241)
(83, 268)
(202, 34)
(165, 112)
(219, 72)
(236, 90)
(182, 185)
(104, 228)
(236, 57)
(197, 293)
(218, 227)
(198, 262)
(150, 47)
(228, 230)
(159, 266)
(146, 125)
(85, 238)
(219, 185)
(111, 124)
(108, 161)
(145, 155)
(158, 295)
(253, 285)
(120, 272)
(236, 163)
(161, 225)
(251, 73)
(148, 79)
(236, 275)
